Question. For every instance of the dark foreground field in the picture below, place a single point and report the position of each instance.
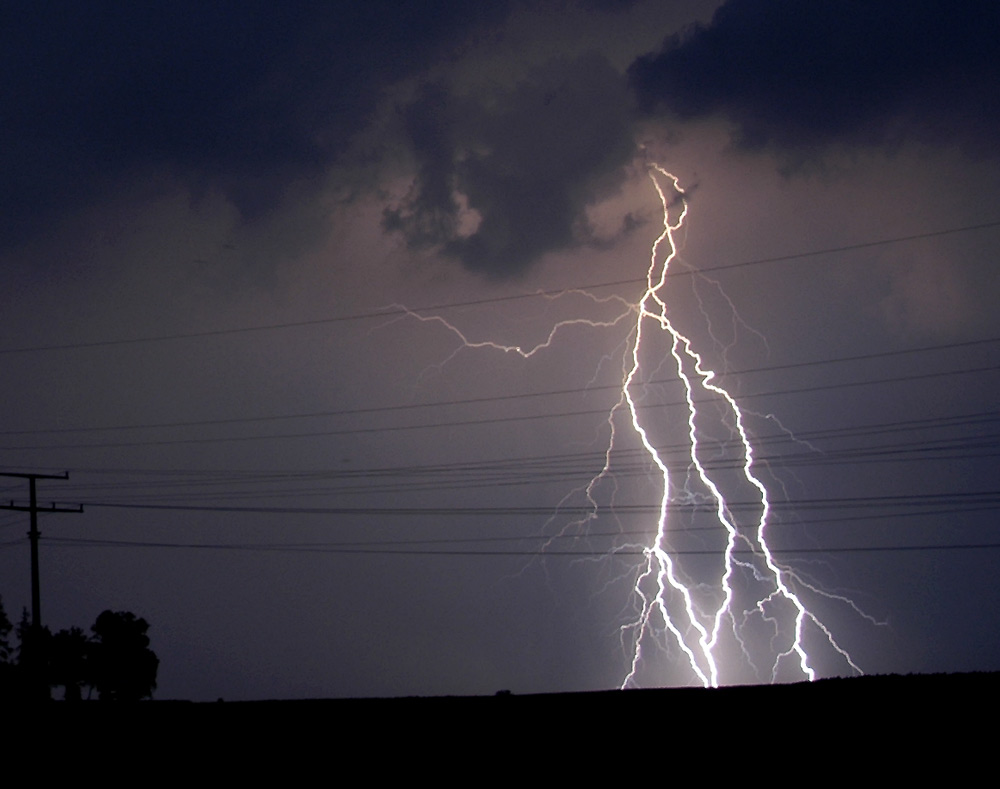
(914, 720)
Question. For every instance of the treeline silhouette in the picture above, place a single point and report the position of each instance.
(114, 660)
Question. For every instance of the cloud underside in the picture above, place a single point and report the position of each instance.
(503, 179)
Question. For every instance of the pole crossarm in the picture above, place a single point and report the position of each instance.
(50, 508)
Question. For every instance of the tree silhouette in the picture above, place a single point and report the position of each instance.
(32, 659)
(6, 653)
(116, 660)
(70, 662)
(122, 666)
(8, 669)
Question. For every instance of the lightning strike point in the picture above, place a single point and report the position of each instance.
(699, 622)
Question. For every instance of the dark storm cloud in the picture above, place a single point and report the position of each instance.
(504, 178)
(240, 97)
(799, 75)
(608, 5)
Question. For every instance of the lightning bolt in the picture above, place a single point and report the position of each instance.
(669, 607)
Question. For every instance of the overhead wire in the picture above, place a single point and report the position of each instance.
(398, 311)
(479, 421)
(501, 398)
(516, 475)
(547, 554)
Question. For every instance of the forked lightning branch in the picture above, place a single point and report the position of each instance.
(709, 622)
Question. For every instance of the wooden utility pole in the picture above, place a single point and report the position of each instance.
(36, 676)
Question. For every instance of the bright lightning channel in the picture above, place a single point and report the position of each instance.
(695, 615)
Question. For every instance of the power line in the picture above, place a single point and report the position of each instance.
(521, 472)
(852, 247)
(391, 312)
(228, 486)
(542, 554)
(990, 497)
(491, 399)
(477, 422)
(256, 477)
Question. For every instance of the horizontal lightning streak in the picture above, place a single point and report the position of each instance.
(382, 313)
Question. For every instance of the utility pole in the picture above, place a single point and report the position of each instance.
(38, 685)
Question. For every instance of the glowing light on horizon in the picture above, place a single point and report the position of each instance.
(693, 616)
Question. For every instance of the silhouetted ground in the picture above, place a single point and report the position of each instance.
(896, 723)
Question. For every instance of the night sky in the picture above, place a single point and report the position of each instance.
(210, 216)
